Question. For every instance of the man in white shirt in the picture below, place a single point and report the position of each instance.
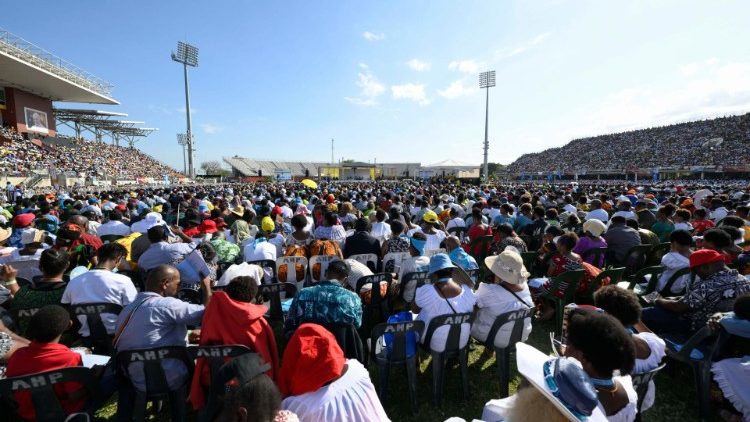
(455, 221)
(114, 226)
(380, 229)
(597, 212)
(101, 285)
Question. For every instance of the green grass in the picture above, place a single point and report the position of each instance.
(675, 393)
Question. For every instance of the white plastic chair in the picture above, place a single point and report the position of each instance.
(291, 270)
(396, 257)
(324, 261)
(367, 258)
(432, 252)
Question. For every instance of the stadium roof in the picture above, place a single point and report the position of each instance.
(102, 122)
(32, 69)
(451, 163)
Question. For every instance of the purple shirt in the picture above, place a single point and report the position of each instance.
(585, 243)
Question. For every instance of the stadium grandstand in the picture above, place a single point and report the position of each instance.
(706, 148)
(347, 170)
(33, 152)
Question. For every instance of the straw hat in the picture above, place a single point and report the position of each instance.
(508, 266)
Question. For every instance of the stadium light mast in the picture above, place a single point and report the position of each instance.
(187, 55)
(182, 141)
(486, 81)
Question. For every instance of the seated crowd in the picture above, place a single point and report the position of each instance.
(205, 267)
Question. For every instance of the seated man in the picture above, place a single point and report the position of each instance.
(232, 317)
(45, 353)
(417, 262)
(620, 238)
(714, 290)
(328, 302)
(156, 319)
(162, 252)
(101, 285)
(458, 255)
(114, 226)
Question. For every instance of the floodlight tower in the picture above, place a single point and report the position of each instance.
(182, 141)
(486, 81)
(188, 56)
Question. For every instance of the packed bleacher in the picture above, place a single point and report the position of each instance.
(716, 142)
(278, 301)
(19, 157)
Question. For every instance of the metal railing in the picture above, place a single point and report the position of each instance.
(24, 50)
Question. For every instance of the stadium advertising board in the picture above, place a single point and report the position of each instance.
(36, 120)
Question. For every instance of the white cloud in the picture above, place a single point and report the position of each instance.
(465, 66)
(372, 36)
(457, 89)
(419, 65)
(509, 52)
(370, 88)
(211, 129)
(705, 90)
(414, 92)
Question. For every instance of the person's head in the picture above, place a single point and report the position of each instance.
(682, 215)
(451, 243)
(741, 307)
(79, 221)
(505, 230)
(53, 263)
(705, 262)
(380, 215)
(716, 239)
(551, 214)
(397, 227)
(157, 234)
(594, 228)
(566, 242)
(600, 343)
(618, 220)
(361, 225)
(252, 395)
(242, 289)
(111, 254)
(538, 213)
(641, 205)
(507, 267)
(299, 222)
(330, 219)
(621, 303)
(440, 269)
(417, 244)
(681, 240)
(632, 224)
(525, 208)
(48, 324)
(732, 221)
(312, 359)
(164, 280)
(338, 270)
(115, 215)
(700, 214)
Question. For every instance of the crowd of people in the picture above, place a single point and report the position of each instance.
(715, 142)
(188, 265)
(19, 157)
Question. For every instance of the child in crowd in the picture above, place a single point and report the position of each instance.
(700, 223)
(676, 259)
(682, 220)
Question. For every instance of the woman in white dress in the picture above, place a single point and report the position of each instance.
(649, 348)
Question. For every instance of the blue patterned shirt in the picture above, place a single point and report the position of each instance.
(325, 303)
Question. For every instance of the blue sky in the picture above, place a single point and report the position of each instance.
(397, 80)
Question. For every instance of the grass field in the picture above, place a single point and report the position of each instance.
(675, 394)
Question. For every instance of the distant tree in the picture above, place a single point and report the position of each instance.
(493, 168)
(214, 168)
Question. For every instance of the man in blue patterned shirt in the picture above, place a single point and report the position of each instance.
(328, 302)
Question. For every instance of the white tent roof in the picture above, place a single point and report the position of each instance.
(452, 163)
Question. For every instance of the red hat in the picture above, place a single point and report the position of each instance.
(276, 210)
(705, 256)
(121, 207)
(330, 198)
(23, 220)
(312, 359)
(207, 226)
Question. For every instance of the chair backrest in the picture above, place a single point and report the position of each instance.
(374, 281)
(431, 252)
(109, 238)
(266, 264)
(706, 339)
(23, 316)
(369, 259)
(152, 371)
(667, 290)
(396, 257)
(136, 277)
(599, 256)
(635, 258)
(417, 278)
(215, 357)
(459, 232)
(190, 296)
(323, 261)
(291, 263)
(348, 339)
(614, 274)
(27, 268)
(93, 313)
(454, 323)
(398, 337)
(529, 260)
(571, 278)
(640, 383)
(641, 274)
(47, 406)
(272, 292)
(518, 318)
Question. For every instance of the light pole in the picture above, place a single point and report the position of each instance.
(486, 81)
(182, 140)
(188, 56)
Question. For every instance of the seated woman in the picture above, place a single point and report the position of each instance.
(591, 239)
(319, 384)
(563, 260)
(649, 348)
(440, 297)
(300, 236)
(602, 345)
(231, 317)
(507, 293)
